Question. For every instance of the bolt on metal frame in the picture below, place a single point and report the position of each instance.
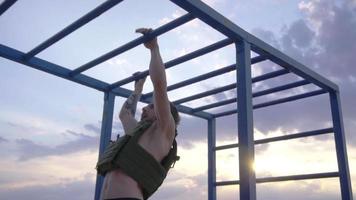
(244, 43)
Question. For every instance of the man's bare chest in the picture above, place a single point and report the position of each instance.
(155, 142)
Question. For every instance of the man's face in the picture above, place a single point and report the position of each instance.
(148, 113)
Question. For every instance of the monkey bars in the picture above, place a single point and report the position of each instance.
(244, 43)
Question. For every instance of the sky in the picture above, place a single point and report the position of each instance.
(50, 127)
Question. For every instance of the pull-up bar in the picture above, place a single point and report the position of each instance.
(231, 86)
(274, 102)
(256, 94)
(177, 61)
(207, 75)
(284, 178)
(159, 31)
(281, 138)
(74, 26)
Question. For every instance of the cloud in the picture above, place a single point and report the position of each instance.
(179, 186)
(308, 190)
(176, 14)
(29, 150)
(190, 131)
(35, 126)
(301, 34)
(71, 189)
(325, 41)
(93, 128)
(2, 140)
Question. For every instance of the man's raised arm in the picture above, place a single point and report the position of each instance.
(128, 110)
(158, 78)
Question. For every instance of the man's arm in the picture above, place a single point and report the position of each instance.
(128, 110)
(158, 77)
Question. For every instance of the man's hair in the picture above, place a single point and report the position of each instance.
(175, 113)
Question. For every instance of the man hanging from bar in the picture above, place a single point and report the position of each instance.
(137, 163)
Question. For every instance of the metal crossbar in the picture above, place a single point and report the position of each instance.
(274, 102)
(256, 94)
(284, 178)
(231, 86)
(74, 26)
(280, 138)
(6, 5)
(177, 61)
(163, 29)
(245, 43)
(215, 73)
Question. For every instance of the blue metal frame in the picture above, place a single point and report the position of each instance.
(230, 86)
(340, 143)
(105, 136)
(256, 94)
(280, 138)
(207, 75)
(211, 159)
(245, 121)
(244, 43)
(231, 30)
(284, 178)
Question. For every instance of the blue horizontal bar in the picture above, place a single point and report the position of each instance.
(231, 30)
(177, 61)
(281, 88)
(51, 68)
(159, 31)
(199, 52)
(189, 111)
(231, 86)
(295, 67)
(274, 102)
(197, 79)
(284, 178)
(217, 104)
(207, 93)
(292, 98)
(280, 138)
(256, 94)
(295, 136)
(207, 75)
(6, 5)
(270, 75)
(72, 27)
(298, 177)
(224, 183)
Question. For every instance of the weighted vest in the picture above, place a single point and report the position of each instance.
(136, 162)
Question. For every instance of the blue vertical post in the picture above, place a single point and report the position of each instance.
(211, 159)
(341, 153)
(245, 121)
(106, 127)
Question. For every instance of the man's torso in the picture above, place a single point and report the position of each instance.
(154, 141)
